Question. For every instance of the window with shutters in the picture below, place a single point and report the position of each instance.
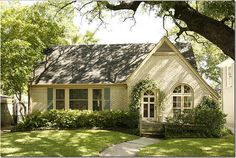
(182, 99)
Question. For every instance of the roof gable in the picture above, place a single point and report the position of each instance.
(184, 56)
(164, 48)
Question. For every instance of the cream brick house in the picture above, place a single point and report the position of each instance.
(227, 86)
(101, 77)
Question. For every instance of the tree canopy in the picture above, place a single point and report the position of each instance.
(213, 20)
(26, 31)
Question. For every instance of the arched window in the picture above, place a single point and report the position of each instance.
(182, 99)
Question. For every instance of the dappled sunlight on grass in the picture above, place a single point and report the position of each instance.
(60, 142)
(191, 147)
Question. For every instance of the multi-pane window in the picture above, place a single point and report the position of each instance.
(97, 99)
(79, 99)
(182, 99)
(148, 104)
(60, 99)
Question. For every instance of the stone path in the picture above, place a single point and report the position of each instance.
(129, 148)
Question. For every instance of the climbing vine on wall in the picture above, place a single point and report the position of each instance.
(141, 86)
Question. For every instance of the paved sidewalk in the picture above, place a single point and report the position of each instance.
(129, 148)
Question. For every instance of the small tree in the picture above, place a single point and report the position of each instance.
(25, 33)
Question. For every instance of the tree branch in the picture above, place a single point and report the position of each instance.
(123, 5)
(163, 24)
(64, 6)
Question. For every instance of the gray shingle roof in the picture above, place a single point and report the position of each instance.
(98, 63)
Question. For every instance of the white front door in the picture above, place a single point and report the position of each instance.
(148, 105)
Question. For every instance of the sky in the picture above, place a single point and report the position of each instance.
(148, 28)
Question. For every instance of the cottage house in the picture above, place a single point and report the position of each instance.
(101, 77)
(227, 87)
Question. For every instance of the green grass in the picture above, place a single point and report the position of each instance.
(60, 142)
(191, 147)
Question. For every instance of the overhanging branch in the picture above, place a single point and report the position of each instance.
(123, 5)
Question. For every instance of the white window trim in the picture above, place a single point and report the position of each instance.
(60, 99)
(102, 91)
(182, 95)
(78, 99)
(148, 102)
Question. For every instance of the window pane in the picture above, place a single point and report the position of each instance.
(145, 99)
(151, 110)
(60, 94)
(187, 101)
(177, 89)
(97, 94)
(97, 105)
(60, 104)
(80, 105)
(152, 99)
(78, 94)
(176, 101)
(145, 110)
(187, 89)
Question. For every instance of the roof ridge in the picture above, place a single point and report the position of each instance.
(103, 44)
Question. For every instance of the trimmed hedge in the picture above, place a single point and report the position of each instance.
(173, 130)
(73, 119)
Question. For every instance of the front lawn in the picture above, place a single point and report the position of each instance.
(191, 147)
(60, 142)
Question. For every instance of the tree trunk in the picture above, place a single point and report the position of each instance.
(22, 106)
(215, 31)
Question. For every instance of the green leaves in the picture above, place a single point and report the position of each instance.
(25, 33)
(138, 89)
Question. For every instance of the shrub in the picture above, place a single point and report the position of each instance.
(209, 103)
(32, 121)
(207, 118)
(69, 119)
(212, 118)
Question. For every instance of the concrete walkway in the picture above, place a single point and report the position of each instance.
(129, 148)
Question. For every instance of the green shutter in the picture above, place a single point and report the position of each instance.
(50, 98)
(106, 98)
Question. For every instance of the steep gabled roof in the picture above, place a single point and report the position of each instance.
(164, 45)
(98, 63)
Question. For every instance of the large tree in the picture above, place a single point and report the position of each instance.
(188, 16)
(25, 33)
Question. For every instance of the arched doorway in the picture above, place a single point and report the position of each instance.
(148, 105)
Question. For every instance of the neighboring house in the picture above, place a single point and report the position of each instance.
(227, 88)
(101, 77)
(7, 111)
